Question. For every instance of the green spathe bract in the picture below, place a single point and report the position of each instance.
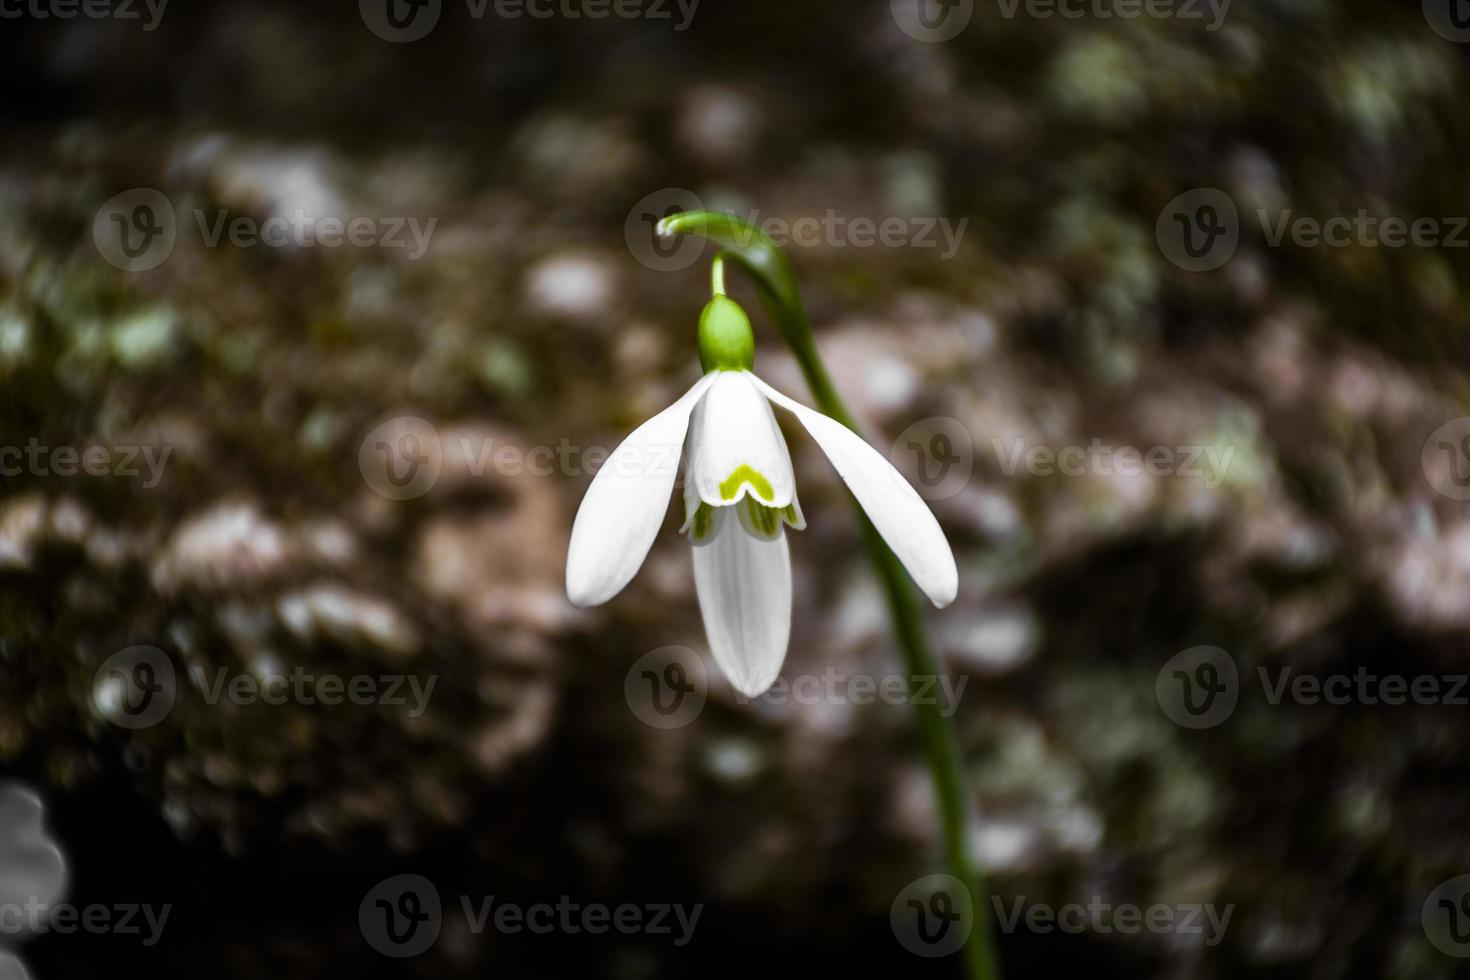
(726, 342)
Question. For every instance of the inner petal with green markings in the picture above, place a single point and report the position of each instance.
(736, 450)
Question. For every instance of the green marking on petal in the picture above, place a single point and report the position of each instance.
(745, 473)
(762, 518)
(704, 522)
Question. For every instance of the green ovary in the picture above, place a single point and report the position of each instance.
(745, 473)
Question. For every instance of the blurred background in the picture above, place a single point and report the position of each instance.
(314, 321)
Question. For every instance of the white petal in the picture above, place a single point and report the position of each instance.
(625, 504)
(894, 507)
(736, 447)
(744, 587)
(11, 967)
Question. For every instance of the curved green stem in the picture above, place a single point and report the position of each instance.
(753, 250)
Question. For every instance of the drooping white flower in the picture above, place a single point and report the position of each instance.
(739, 496)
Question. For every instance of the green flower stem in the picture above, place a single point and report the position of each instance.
(717, 275)
(754, 251)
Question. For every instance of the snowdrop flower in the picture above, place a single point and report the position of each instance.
(739, 496)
